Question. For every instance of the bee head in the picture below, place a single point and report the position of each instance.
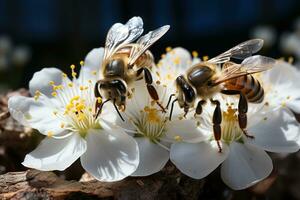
(113, 89)
(186, 93)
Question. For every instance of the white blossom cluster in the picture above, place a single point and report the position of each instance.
(110, 149)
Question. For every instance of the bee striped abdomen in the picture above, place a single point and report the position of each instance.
(145, 60)
(249, 86)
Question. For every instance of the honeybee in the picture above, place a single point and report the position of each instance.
(219, 74)
(125, 62)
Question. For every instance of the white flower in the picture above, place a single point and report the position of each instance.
(282, 85)
(243, 160)
(63, 110)
(149, 125)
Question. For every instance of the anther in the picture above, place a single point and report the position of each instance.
(176, 61)
(178, 138)
(50, 133)
(195, 54)
(168, 49)
(205, 58)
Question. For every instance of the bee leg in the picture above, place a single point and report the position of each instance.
(186, 110)
(199, 107)
(172, 106)
(118, 110)
(217, 120)
(151, 89)
(242, 109)
(99, 108)
(98, 103)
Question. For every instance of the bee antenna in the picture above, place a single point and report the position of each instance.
(169, 101)
(118, 111)
(172, 106)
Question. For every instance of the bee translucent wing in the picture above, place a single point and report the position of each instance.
(135, 27)
(120, 35)
(116, 34)
(250, 65)
(145, 42)
(241, 51)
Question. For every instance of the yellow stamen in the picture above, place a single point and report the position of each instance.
(54, 94)
(176, 61)
(76, 98)
(74, 74)
(62, 125)
(168, 49)
(205, 58)
(195, 54)
(50, 133)
(152, 114)
(37, 95)
(82, 63)
(169, 77)
(178, 138)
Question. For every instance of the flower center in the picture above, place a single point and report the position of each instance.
(80, 115)
(75, 104)
(149, 123)
(230, 126)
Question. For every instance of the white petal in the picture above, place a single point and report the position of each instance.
(111, 154)
(282, 73)
(93, 60)
(90, 72)
(40, 81)
(294, 105)
(36, 114)
(184, 130)
(197, 160)
(276, 132)
(140, 97)
(56, 154)
(152, 157)
(183, 56)
(245, 166)
(173, 64)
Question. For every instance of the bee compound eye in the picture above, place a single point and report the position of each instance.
(189, 95)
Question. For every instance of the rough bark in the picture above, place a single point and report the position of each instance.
(33, 184)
